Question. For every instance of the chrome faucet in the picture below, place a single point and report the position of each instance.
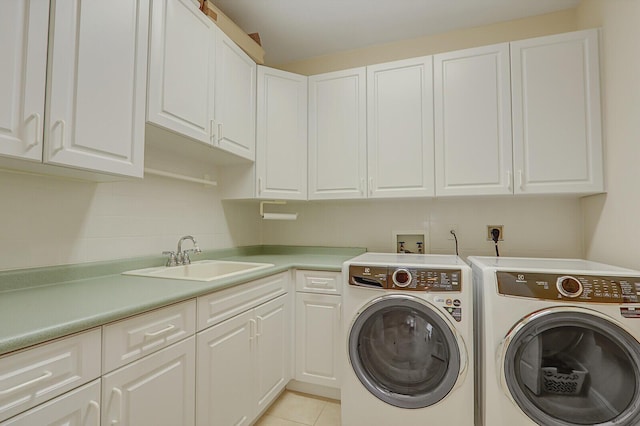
(181, 257)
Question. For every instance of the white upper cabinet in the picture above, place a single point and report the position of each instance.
(557, 136)
(281, 151)
(472, 108)
(400, 128)
(182, 69)
(96, 87)
(337, 135)
(235, 99)
(23, 67)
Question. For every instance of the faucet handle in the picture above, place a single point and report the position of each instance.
(185, 255)
(172, 260)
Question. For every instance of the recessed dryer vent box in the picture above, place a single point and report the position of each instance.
(410, 242)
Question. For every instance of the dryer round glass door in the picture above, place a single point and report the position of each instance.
(572, 366)
(404, 352)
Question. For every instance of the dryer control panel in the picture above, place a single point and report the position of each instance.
(578, 287)
(406, 278)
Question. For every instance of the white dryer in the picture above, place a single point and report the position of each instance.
(408, 330)
(558, 342)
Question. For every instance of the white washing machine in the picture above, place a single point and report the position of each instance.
(558, 342)
(408, 330)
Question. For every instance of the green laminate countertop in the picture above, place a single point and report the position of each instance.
(41, 304)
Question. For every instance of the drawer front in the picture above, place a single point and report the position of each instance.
(219, 306)
(80, 407)
(130, 339)
(324, 282)
(33, 376)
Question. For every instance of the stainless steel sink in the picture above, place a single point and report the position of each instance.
(203, 270)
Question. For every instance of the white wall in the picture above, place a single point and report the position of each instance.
(612, 221)
(539, 227)
(47, 221)
(518, 29)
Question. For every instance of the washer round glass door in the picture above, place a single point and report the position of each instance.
(573, 366)
(404, 352)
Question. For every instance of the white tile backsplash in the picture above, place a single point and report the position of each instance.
(540, 226)
(49, 221)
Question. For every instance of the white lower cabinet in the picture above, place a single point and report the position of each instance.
(80, 407)
(318, 329)
(243, 364)
(38, 374)
(156, 390)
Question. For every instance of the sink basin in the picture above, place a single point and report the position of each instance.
(203, 270)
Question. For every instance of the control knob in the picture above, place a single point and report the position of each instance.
(402, 277)
(569, 286)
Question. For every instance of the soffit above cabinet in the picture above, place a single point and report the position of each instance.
(293, 30)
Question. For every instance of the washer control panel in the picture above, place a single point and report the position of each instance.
(578, 287)
(406, 278)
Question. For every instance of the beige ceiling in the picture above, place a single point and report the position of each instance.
(293, 30)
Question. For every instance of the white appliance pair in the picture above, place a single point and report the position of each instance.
(557, 342)
(408, 333)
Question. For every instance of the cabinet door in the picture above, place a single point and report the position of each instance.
(318, 338)
(273, 331)
(80, 407)
(337, 135)
(155, 390)
(473, 121)
(96, 87)
(557, 136)
(182, 69)
(23, 31)
(235, 99)
(281, 146)
(400, 128)
(225, 383)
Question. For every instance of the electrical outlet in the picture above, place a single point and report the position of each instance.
(450, 228)
(499, 228)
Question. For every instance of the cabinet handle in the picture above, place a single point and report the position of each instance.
(159, 332)
(362, 187)
(16, 388)
(36, 117)
(371, 185)
(118, 393)
(259, 327)
(259, 186)
(219, 132)
(61, 124)
(509, 181)
(252, 332)
(520, 180)
(319, 283)
(339, 312)
(95, 405)
(212, 135)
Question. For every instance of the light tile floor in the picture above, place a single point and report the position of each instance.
(298, 409)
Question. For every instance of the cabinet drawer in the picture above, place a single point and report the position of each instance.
(221, 305)
(35, 375)
(76, 408)
(319, 282)
(130, 339)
